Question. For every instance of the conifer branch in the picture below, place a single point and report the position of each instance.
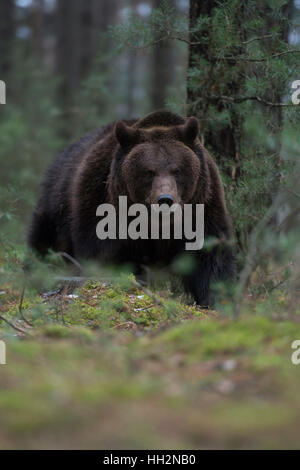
(253, 59)
(257, 38)
(241, 99)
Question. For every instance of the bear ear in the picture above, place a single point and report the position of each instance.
(126, 136)
(189, 131)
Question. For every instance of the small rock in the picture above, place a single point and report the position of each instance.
(230, 364)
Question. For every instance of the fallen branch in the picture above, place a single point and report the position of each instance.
(21, 308)
(125, 323)
(241, 99)
(17, 328)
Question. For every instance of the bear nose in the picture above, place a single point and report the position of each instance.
(165, 199)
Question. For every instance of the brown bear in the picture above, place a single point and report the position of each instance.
(157, 158)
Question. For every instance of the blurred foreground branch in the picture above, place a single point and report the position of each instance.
(252, 256)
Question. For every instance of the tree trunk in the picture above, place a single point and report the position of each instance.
(73, 51)
(7, 31)
(80, 24)
(224, 141)
(275, 92)
(161, 69)
(38, 33)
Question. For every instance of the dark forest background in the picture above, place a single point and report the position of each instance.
(66, 73)
(71, 66)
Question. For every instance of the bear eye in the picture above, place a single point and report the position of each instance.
(177, 172)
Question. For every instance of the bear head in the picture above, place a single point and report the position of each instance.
(158, 160)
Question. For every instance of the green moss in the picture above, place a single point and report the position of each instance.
(108, 358)
(77, 332)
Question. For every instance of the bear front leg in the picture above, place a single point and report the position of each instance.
(217, 265)
(198, 282)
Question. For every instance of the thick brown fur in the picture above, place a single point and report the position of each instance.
(138, 159)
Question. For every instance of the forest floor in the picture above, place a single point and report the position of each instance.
(107, 367)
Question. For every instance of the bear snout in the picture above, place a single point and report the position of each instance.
(164, 191)
(165, 199)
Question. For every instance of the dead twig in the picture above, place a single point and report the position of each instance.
(280, 283)
(253, 59)
(21, 308)
(149, 293)
(147, 308)
(257, 38)
(62, 305)
(241, 99)
(293, 192)
(17, 328)
(119, 325)
(70, 258)
(289, 218)
(167, 37)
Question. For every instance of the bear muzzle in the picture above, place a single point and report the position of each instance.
(165, 199)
